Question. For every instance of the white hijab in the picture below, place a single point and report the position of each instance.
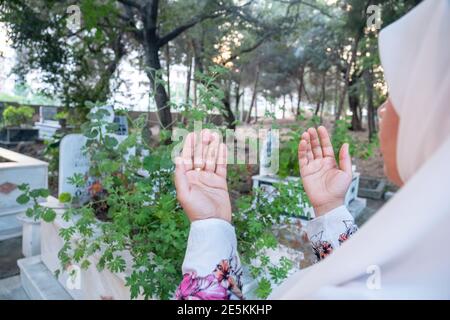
(408, 238)
(415, 53)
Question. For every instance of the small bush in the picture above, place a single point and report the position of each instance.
(15, 117)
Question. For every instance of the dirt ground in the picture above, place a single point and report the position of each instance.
(372, 167)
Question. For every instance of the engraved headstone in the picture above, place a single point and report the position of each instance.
(269, 155)
(72, 159)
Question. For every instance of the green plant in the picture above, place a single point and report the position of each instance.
(340, 136)
(357, 148)
(288, 164)
(36, 211)
(133, 212)
(136, 212)
(255, 220)
(15, 117)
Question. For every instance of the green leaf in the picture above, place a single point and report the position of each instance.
(23, 199)
(66, 233)
(44, 193)
(36, 193)
(65, 197)
(112, 127)
(110, 142)
(85, 264)
(91, 134)
(48, 215)
(152, 163)
(109, 166)
(23, 186)
(29, 212)
(264, 288)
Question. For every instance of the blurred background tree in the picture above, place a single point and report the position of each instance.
(319, 54)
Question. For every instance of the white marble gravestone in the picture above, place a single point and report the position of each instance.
(47, 124)
(269, 155)
(72, 160)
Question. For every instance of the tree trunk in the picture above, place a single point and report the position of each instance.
(198, 47)
(347, 77)
(153, 63)
(188, 80)
(227, 113)
(284, 106)
(354, 105)
(255, 92)
(291, 99)
(256, 111)
(167, 58)
(237, 97)
(300, 89)
(159, 91)
(321, 101)
(368, 77)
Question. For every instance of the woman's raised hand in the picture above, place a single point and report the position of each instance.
(324, 181)
(201, 177)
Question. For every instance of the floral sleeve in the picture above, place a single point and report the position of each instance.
(211, 267)
(223, 284)
(329, 231)
(213, 240)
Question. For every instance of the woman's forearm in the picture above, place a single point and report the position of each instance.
(212, 270)
(330, 230)
(211, 267)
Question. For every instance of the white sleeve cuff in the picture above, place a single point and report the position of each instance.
(330, 226)
(210, 241)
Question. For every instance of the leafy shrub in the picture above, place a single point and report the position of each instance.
(255, 220)
(288, 164)
(15, 117)
(141, 214)
(129, 211)
(357, 148)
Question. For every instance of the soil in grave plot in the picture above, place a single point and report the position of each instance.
(10, 252)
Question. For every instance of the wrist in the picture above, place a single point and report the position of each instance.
(226, 219)
(322, 209)
(199, 217)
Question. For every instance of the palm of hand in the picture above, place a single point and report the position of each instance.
(201, 177)
(208, 195)
(324, 181)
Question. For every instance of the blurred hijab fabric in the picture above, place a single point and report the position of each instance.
(415, 54)
(404, 245)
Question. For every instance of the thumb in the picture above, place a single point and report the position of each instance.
(181, 182)
(345, 161)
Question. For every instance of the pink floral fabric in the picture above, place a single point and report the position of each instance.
(223, 284)
(323, 248)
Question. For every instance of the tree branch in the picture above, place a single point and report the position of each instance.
(249, 49)
(131, 3)
(312, 5)
(200, 18)
(177, 31)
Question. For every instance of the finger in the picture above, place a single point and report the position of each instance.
(327, 147)
(201, 147)
(221, 167)
(302, 149)
(345, 161)
(181, 182)
(309, 154)
(188, 151)
(213, 150)
(315, 143)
